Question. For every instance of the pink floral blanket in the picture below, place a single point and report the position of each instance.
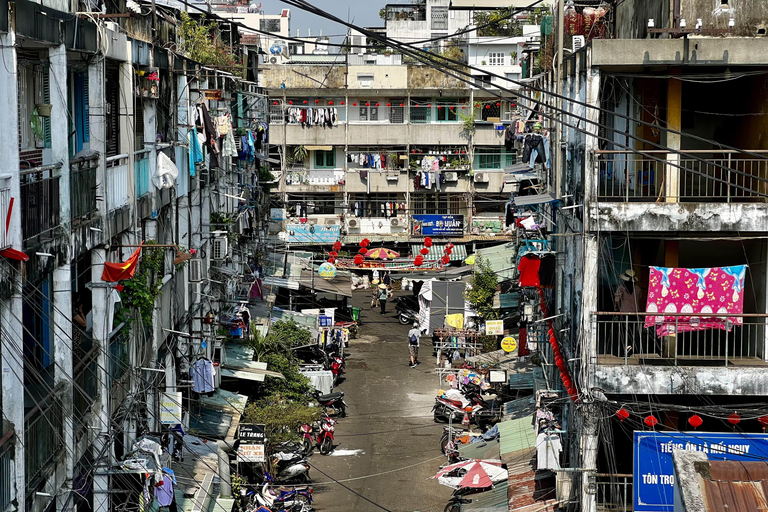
(689, 291)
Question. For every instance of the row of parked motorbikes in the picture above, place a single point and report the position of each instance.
(286, 487)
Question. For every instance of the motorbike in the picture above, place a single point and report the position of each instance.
(407, 310)
(324, 439)
(292, 499)
(452, 437)
(289, 467)
(312, 354)
(338, 367)
(481, 412)
(334, 402)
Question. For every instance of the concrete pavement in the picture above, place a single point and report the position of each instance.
(389, 431)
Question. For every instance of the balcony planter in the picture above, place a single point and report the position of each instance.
(44, 109)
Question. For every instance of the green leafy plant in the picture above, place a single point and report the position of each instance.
(500, 22)
(483, 289)
(468, 121)
(281, 419)
(139, 292)
(200, 42)
(300, 154)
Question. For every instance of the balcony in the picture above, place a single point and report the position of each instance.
(320, 180)
(82, 188)
(720, 193)
(86, 380)
(40, 206)
(7, 447)
(633, 358)
(117, 182)
(42, 438)
(141, 172)
(614, 492)
(413, 12)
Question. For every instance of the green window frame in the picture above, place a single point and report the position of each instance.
(490, 159)
(445, 114)
(325, 159)
(422, 113)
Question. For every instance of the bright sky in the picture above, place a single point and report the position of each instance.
(359, 12)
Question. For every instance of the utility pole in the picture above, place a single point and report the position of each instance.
(556, 151)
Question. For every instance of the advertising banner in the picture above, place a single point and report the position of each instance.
(438, 225)
(312, 233)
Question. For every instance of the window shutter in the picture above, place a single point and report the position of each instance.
(46, 99)
(86, 109)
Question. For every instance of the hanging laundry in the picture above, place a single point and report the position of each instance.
(195, 151)
(202, 373)
(228, 147)
(695, 290)
(509, 137)
(528, 269)
(164, 490)
(548, 448)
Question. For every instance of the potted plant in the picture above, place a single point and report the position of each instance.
(43, 109)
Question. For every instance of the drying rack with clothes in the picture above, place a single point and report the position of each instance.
(385, 209)
(536, 149)
(312, 116)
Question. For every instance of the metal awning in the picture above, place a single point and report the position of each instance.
(495, 500)
(459, 252)
(319, 148)
(267, 159)
(339, 285)
(534, 199)
(250, 374)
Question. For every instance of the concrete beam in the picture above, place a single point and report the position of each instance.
(655, 217)
(681, 380)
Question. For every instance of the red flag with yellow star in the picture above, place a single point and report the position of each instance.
(114, 272)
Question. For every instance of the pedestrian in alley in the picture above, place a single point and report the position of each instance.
(413, 344)
(383, 294)
(387, 279)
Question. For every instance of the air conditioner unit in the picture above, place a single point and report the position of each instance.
(330, 222)
(220, 248)
(352, 223)
(482, 177)
(273, 60)
(578, 43)
(451, 176)
(394, 222)
(195, 270)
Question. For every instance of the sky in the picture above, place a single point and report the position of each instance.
(359, 12)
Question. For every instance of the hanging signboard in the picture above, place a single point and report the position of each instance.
(654, 472)
(252, 441)
(327, 270)
(250, 453)
(211, 94)
(494, 327)
(170, 408)
(438, 225)
(509, 344)
(312, 233)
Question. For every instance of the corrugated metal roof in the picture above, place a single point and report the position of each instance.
(736, 486)
(501, 259)
(481, 450)
(494, 500)
(516, 435)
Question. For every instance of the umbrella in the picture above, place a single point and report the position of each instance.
(470, 260)
(381, 253)
(472, 473)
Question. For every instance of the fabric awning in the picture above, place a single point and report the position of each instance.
(534, 199)
(459, 252)
(319, 148)
(13, 254)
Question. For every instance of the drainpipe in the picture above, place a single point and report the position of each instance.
(225, 478)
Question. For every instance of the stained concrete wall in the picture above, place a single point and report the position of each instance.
(702, 217)
(303, 76)
(681, 380)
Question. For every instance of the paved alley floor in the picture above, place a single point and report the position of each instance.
(388, 445)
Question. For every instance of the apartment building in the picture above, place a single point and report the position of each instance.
(361, 174)
(95, 162)
(663, 170)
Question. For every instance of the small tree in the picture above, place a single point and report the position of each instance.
(281, 419)
(483, 284)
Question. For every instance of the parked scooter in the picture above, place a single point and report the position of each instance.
(481, 412)
(334, 402)
(338, 367)
(407, 310)
(290, 467)
(324, 439)
(289, 498)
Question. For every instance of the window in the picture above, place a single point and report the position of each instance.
(269, 25)
(489, 110)
(33, 89)
(325, 159)
(439, 18)
(441, 204)
(81, 110)
(368, 111)
(496, 59)
(420, 112)
(112, 94)
(490, 159)
(447, 110)
(364, 80)
(396, 112)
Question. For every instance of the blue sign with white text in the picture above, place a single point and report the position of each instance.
(654, 472)
(312, 233)
(438, 225)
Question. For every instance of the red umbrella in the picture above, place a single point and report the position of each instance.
(382, 254)
(473, 473)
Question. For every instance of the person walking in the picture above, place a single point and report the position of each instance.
(387, 279)
(413, 344)
(383, 294)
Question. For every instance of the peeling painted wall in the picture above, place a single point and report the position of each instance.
(703, 217)
(681, 380)
(424, 77)
(303, 77)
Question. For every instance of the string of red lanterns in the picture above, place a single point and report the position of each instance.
(559, 359)
(416, 105)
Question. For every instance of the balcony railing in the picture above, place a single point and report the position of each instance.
(82, 188)
(117, 181)
(86, 380)
(7, 443)
(40, 205)
(141, 171)
(417, 12)
(42, 437)
(314, 177)
(725, 178)
(614, 493)
(622, 338)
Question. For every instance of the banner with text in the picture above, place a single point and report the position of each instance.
(438, 225)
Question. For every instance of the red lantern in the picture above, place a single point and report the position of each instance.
(734, 419)
(364, 242)
(429, 105)
(377, 104)
(417, 262)
(402, 104)
(427, 242)
(452, 107)
(439, 107)
(446, 260)
(417, 105)
(290, 102)
(424, 251)
(389, 104)
(763, 421)
(695, 421)
(330, 103)
(336, 245)
(275, 103)
(650, 420)
(362, 250)
(448, 251)
(512, 105)
(305, 102)
(477, 105)
(358, 260)
(317, 101)
(428, 239)
(487, 107)
(367, 104)
(567, 382)
(622, 414)
(331, 260)
(342, 102)
(333, 254)
(498, 104)
(450, 246)
(354, 104)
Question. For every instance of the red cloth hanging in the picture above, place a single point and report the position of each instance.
(529, 270)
